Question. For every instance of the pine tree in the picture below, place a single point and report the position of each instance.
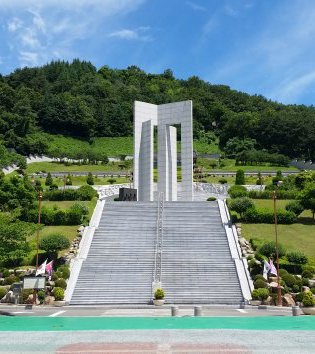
(49, 180)
(240, 177)
(90, 179)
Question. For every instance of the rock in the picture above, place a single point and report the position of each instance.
(11, 271)
(274, 285)
(8, 298)
(312, 283)
(29, 300)
(1, 281)
(305, 288)
(49, 300)
(268, 301)
(80, 229)
(20, 271)
(257, 262)
(288, 300)
(242, 241)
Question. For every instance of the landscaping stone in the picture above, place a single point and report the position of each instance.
(288, 300)
(8, 298)
(49, 300)
(305, 288)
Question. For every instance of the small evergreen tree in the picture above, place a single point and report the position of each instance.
(240, 177)
(68, 180)
(49, 180)
(90, 179)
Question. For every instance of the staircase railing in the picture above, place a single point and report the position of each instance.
(157, 272)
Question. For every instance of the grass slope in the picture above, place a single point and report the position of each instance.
(298, 236)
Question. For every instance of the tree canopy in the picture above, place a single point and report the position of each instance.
(76, 99)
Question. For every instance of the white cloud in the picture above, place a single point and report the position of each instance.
(195, 6)
(14, 24)
(128, 34)
(39, 31)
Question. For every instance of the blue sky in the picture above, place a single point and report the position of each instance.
(257, 46)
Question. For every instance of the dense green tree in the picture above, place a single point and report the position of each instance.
(308, 197)
(240, 177)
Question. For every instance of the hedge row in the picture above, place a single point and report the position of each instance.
(82, 193)
(266, 216)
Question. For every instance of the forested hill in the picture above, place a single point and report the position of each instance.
(78, 100)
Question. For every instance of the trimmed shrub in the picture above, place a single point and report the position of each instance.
(308, 299)
(240, 177)
(53, 243)
(290, 267)
(237, 192)
(299, 297)
(61, 283)
(283, 272)
(82, 193)
(41, 296)
(11, 279)
(296, 288)
(90, 179)
(240, 205)
(49, 180)
(305, 281)
(211, 199)
(259, 257)
(3, 291)
(159, 294)
(295, 207)
(307, 274)
(54, 277)
(266, 216)
(58, 293)
(260, 294)
(289, 280)
(111, 180)
(313, 290)
(260, 276)
(297, 257)
(259, 283)
(64, 271)
(268, 249)
(222, 180)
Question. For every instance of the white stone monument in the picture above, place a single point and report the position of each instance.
(146, 116)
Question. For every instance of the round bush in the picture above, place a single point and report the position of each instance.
(222, 180)
(260, 284)
(41, 296)
(305, 282)
(295, 206)
(211, 199)
(58, 293)
(64, 271)
(283, 272)
(289, 280)
(260, 276)
(308, 299)
(268, 249)
(299, 297)
(11, 279)
(159, 294)
(61, 283)
(237, 191)
(260, 294)
(54, 277)
(53, 243)
(3, 291)
(296, 288)
(313, 290)
(240, 205)
(297, 257)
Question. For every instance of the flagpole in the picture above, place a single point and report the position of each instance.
(40, 196)
(279, 299)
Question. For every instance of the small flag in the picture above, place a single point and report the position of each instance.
(41, 269)
(49, 268)
(273, 269)
(266, 269)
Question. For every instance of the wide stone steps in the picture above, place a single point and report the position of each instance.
(196, 262)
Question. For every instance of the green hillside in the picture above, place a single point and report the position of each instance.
(77, 100)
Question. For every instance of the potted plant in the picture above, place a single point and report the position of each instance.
(159, 297)
(308, 301)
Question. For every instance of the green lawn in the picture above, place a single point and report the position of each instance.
(298, 236)
(81, 180)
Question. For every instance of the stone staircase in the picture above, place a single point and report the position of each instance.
(197, 266)
(120, 262)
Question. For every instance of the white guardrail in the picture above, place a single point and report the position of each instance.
(76, 263)
(240, 262)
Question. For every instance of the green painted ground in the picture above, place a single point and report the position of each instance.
(142, 323)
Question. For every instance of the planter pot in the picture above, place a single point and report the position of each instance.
(59, 303)
(255, 302)
(158, 302)
(308, 310)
